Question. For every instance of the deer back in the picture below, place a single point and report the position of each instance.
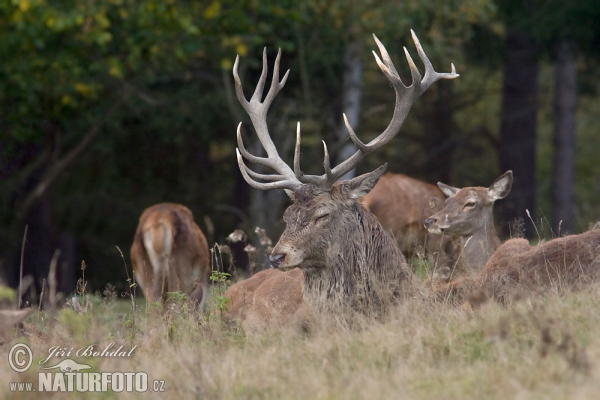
(568, 262)
(562, 262)
(401, 204)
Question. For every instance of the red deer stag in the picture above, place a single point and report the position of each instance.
(401, 204)
(346, 256)
(170, 254)
(468, 215)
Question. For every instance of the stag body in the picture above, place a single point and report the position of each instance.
(170, 253)
(346, 256)
(468, 215)
(270, 298)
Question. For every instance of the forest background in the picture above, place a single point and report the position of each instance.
(110, 106)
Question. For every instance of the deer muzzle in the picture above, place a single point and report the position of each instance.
(276, 259)
(431, 224)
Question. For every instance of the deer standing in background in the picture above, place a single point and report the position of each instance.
(170, 254)
(401, 204)
(346, 256)
(468, 215)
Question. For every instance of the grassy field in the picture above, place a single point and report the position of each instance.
(537, 348)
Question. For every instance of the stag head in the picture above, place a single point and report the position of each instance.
(325, 222)
(318, 219)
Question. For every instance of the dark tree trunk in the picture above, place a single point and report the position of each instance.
(565, 104)
(438, 143)
(518, 129)
(40, 244)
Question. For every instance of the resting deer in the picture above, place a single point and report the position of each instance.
(170, 254)
(401, 204)
(564, 262)
(567, 262)
(468, 215)
(346, 256)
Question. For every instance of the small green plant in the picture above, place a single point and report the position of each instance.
(177, 297)
(221, 302)
(219, 277)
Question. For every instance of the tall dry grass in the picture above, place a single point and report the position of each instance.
(541, 347)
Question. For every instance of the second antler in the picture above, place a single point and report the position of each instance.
(285, 177)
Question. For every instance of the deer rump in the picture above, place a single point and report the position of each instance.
(170, 254)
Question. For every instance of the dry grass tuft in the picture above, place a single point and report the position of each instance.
(543, 347)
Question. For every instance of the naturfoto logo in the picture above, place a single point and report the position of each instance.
(69, 375)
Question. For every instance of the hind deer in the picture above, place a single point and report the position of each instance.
(170, 254)
(468, 215)
(497, 269)
(401, 204)
(346, 257)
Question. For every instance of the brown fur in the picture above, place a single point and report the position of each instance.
(270, 298)
(170, 253)
(563, 263)
(401, 204)
(347, 257)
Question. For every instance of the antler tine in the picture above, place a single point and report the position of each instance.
(405, 98)
(327, 164)
(430, 75)
(280, 181)
(257, 110)
(290, 179)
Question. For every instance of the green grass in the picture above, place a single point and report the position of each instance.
(536, 348)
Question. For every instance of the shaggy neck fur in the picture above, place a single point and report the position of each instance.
(363, 269)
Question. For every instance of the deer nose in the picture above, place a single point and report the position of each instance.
(276, 260)
(429, 222)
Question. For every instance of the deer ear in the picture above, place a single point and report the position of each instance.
(361, 185)
(501, 186)
(449, 191)
(290, 194)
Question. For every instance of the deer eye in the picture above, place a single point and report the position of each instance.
(470, 204)
(321, 218)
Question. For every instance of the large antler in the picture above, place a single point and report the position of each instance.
(288, 179)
